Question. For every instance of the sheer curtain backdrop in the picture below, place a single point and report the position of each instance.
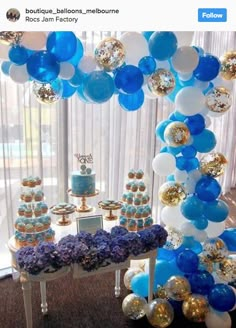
(42, 140)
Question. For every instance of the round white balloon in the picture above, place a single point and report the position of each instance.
(164, 164)
(188, 229)
(216, 319)
(215, 229)
(189, 101)
(136, 47)
(185, 59)
(184, 38)
(163, 64)
(180, 175)
(171, 216)
(87, 64)
(148, 93)
(34, 40)
(67, 71)
(19, 74)
(200, 235)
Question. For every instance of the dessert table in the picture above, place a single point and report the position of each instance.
(76, 272)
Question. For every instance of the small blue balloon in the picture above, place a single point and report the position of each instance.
(139, 284)
(5, 67)
(216, 211)
(62, 45)
(68, 90)
(205, 141)
(43, 66)
(189, 151)
(147, 65)
(163, 271)
(160, 129)
(222, 297)
(131, 102)
(129, 79)
(192, 164)
(79, 52)
(187, 261)
(174, 150)
(201, 282)
(18, 55)
(99, 86)
(208, 68)
(77, 78)
(208, 189)
(201, 223)
(181, 163)
(147, 34)
(192, 207)
(195, 124)
(189, 243)
(162, 45)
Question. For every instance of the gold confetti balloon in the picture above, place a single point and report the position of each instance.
(161, 292)
(110, 54)
(195, 308)
(160, 313)
(129, 274)
(47, 93)
(205, 263)
(133, 306)
(215, 250)
(228, 65)
(171, 193)
(227, 270)
(213, 164)
(161, 82)
(178, 288)
(10, 37)
(218, 100)
(176, 134)
(174, 238)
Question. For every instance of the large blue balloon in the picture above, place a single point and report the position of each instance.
(222, 297)
(189, 151)
(208, 68)
(192, 164)
(5, 67)
(139, 284)
(129, 79)
(192, 207)
(62, 45)
(99, 86)
(204, 142)
(195, 124)
(229, 237)
(163, 271)
(216, 211)
(187, 261)
(208, 189)
(160, 129)
(181, 163)
(18, 55)
(147, 65)
(78, 53)
(131, 102)
(177, 116)
(165, 254)
(162, 45)
(43, 66)
(68, 90)
(201, 282)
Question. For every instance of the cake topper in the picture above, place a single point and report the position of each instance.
(84, 159)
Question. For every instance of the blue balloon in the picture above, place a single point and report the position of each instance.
(188, 83)
(62, 44)
(79, 52)
(129, 79)
(170, 177)
(81, 95)
(192, 164)
(165, 254)
(208, 189)
(187, 261)
(43, 66)
(18, 55)
(222, 297)
(177, 116)
(160, 129)
(201, 223)
(77, 78)
(195, 124)
(147, 65)
(99, 86)
(181, 163)
(208, 68)
(162, 45)
(131, 102)
(174, 150)
(205, 141)
(209, 87)
(5, 67)
(68, 90)
(216, 211)
(163, 271)
(189, 243)
(139, 284)
(201, 282)
(229, 237)
(147, 34)
(192, 207)
(199, 50)
(188, 151)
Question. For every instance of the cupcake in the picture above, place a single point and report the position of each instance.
(44, 207)
(39, 227)
(129, 200)
(148, 222)
(145, 213)
(38, 181)
(124, 197)
(22, 196)
(141, 186)
(21, 241)
(132, 225)
(131, 174)
(123, 210)
(128, 185)
(148, 209)
(21, 210)
(139, 174)
(140, 225)
(49, 235)
(123, 221)
(129, 213)
(24, 182)
(37, 211)
(138, 215)
(139, 194)
(46, 221)
(134, 187)
(137, 201)
(21, 227)
(38, 196)
(28, 197)
(31, 182)
(29, 228)
(28, 212)
(30, 241)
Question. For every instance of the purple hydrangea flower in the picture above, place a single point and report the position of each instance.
(22, 253)
(118, 231)
(90, 261)
(85, 237)
(67, 239)
(135, 243)
(79, 251)
(119, 254)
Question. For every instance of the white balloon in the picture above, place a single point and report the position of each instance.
(189, 101)
(19, 74)
(34, 40)
(184, 38)
(148, 93)
(67, 70)
(180, 175)
(200, 235)
(207, 121)
(171, 216)
(185, 59)
(219, 82)
(164, 164)
(215, 229)
(201, 85)
(216, 319)
(185, 76)
(136, 47)
(188, 229)
(163, 64)
(87, 64)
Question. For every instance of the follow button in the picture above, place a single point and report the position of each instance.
(212, 15)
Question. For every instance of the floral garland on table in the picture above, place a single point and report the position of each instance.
(90, 251)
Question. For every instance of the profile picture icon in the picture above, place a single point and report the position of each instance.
(13, 15)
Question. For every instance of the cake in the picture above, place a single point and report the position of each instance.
(83, 182)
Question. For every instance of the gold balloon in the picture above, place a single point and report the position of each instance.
(10, 37)
(110, 54)
(161, 82)
(133, 306)
(228, 65)
(161, 292)
(213, 164)
(205, 263)
(171, 193)
(176, 134)
(215, 250)
(218, 100)
(227, 270)
(160, 313)
(178, 288)
(195, 308)
(47, 93)
(174, 238)
(129, 274)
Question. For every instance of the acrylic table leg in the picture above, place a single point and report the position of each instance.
(44, 305)
(152, 262)
(26, 287)
(117, 286)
